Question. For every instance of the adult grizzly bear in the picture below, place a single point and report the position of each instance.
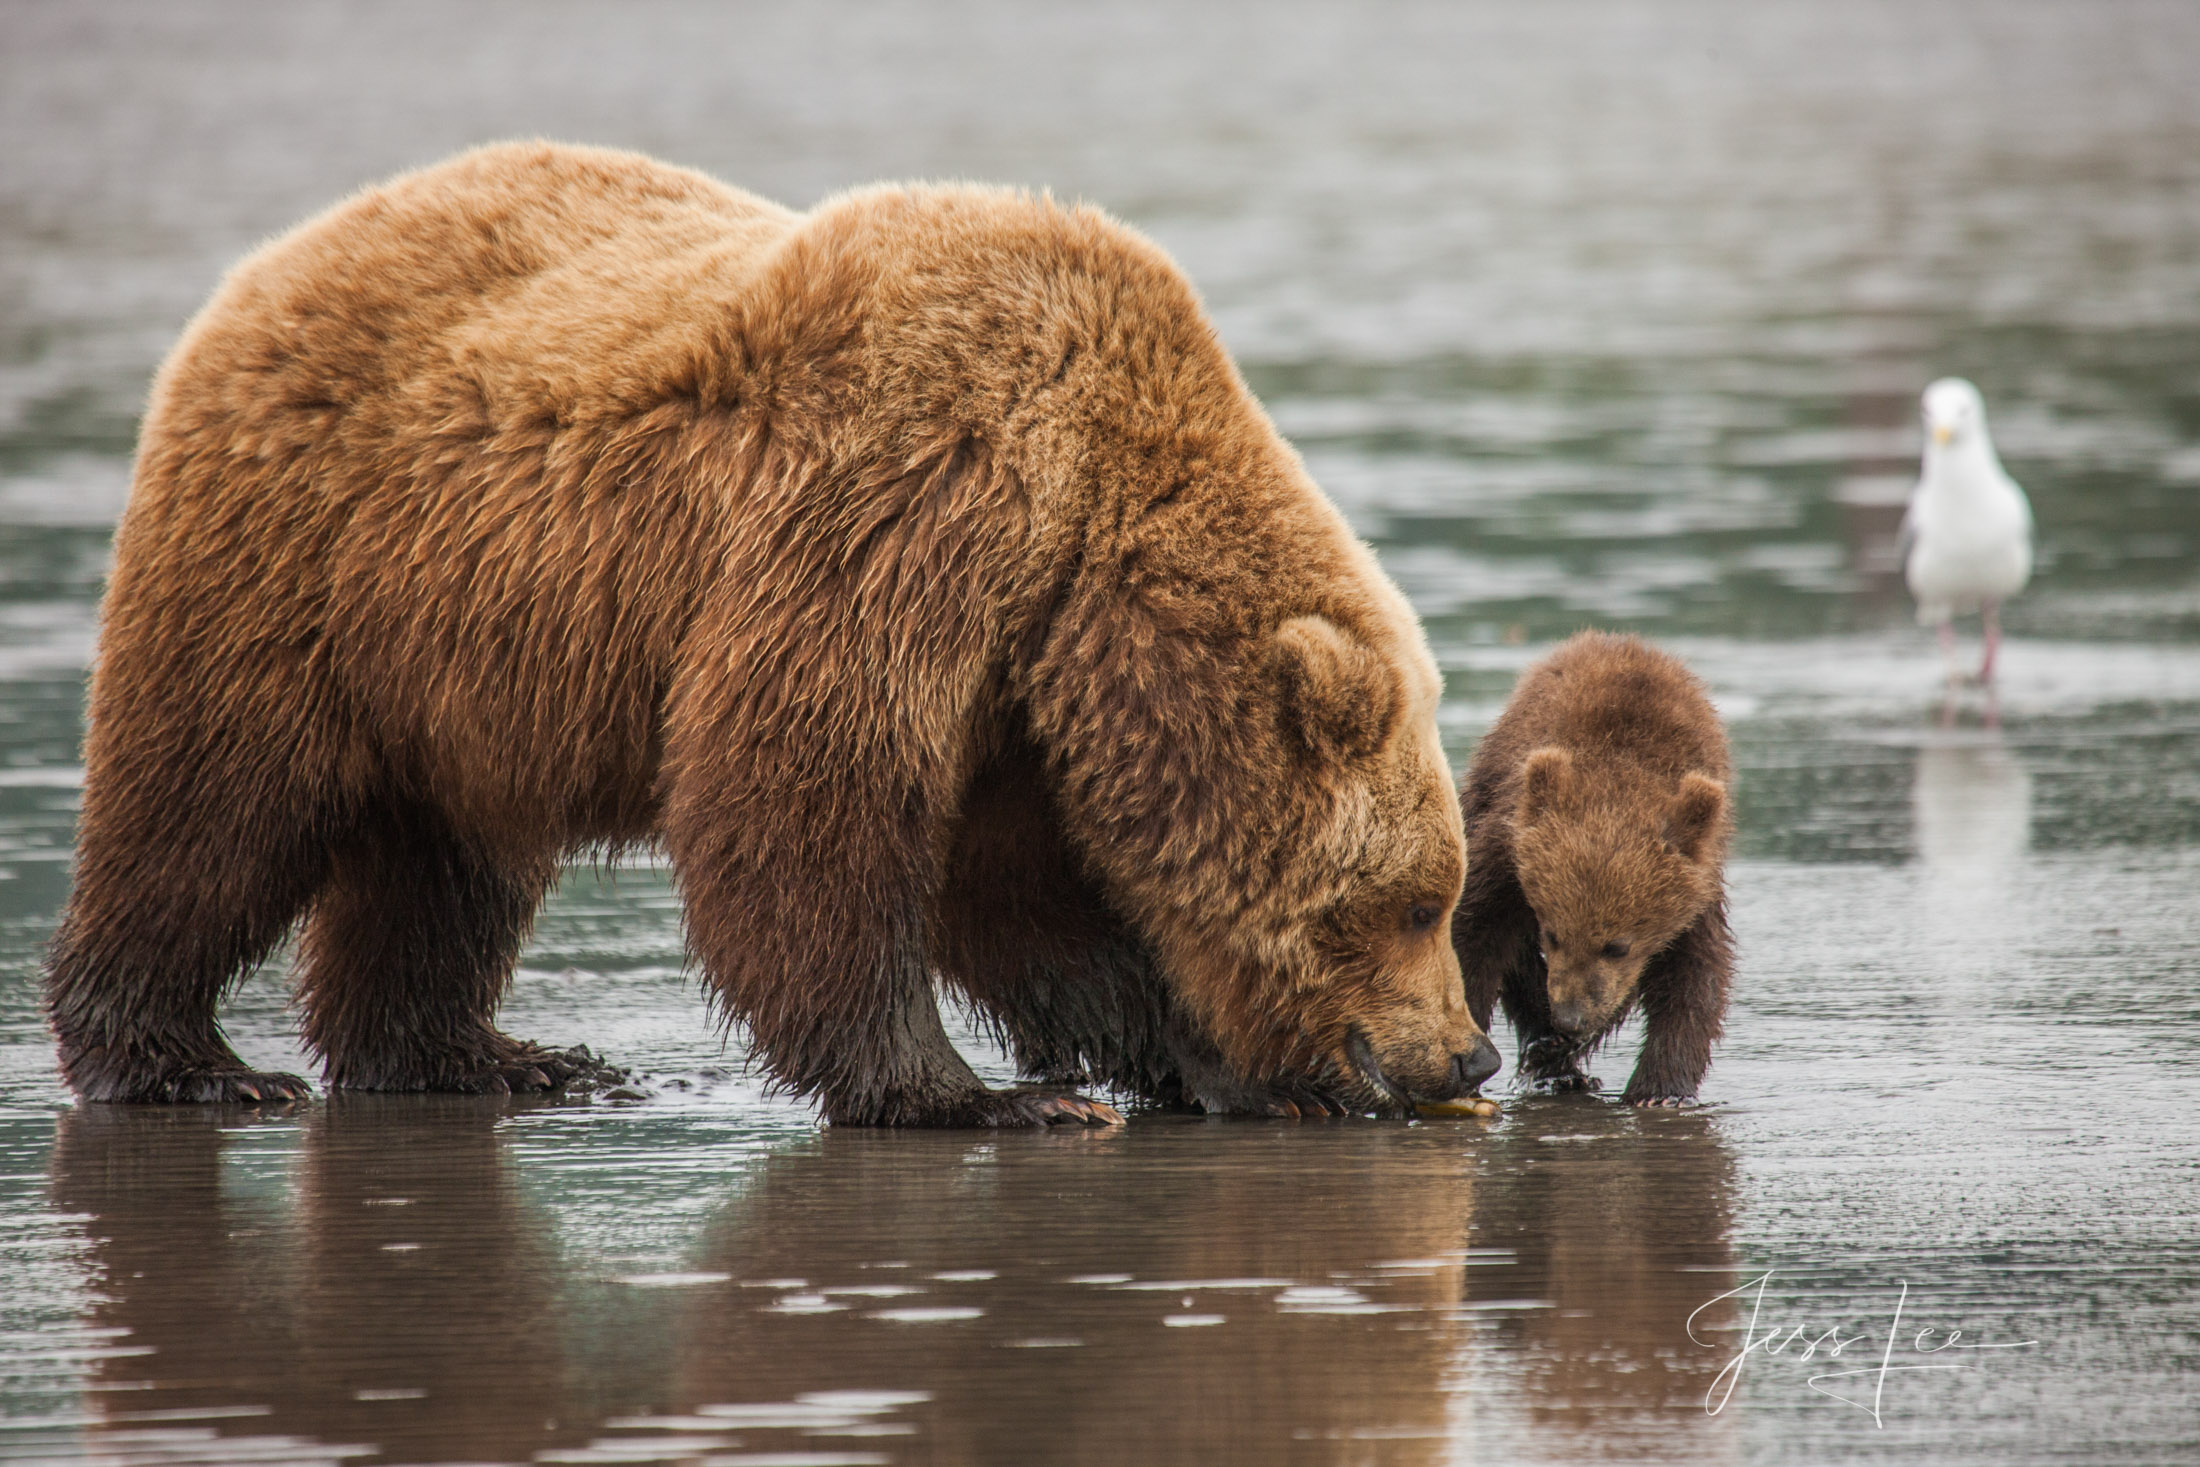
(917, 572)
(1597, 822)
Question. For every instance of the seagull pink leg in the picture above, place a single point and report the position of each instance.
(1948, 650)
(1990, 614)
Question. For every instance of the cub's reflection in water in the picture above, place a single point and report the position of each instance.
(1620, 1222)
(401, 1299)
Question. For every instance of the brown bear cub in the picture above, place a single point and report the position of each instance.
(1597, 827)
(917, 573)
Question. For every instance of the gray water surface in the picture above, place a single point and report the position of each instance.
(1596, 314)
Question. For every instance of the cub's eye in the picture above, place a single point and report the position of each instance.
(1615, 949)
(1550, 940)
(1423, 916)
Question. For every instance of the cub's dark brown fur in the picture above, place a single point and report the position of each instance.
(917, 573)
(1597, 827)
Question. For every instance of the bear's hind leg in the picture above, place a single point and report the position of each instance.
(408, 951)
(183, 885)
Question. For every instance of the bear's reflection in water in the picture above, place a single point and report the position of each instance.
(1004, 1298)
(1329, 1254)
(402, 1298)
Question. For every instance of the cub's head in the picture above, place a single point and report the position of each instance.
(1335, 968)
(1616, 866)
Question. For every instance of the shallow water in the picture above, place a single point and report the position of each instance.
(1611, 316)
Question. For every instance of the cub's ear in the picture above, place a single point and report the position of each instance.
(1339, 696)
(1544, 778)
(1695, 817)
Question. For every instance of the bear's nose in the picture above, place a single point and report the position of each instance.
(1469, 1070)
(1568, 1017)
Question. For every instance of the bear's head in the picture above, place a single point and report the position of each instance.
(1616, 864)
(1335, 968)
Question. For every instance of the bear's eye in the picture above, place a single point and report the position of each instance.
(1550, 940)
(1422, 916)
(1615, 949)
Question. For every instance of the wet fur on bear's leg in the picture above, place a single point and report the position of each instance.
(408, 952)
(824, 945)
(1684, 994)
(197, 849)
(1023, 932)
(1026, 934)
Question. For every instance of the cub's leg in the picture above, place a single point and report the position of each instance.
(1494, 934)
(197, 850)
(1684, 992)
(1549, 1061)
(409, 949)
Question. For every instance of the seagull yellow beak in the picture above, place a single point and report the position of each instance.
(1942, 433)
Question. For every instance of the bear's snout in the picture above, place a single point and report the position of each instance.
(1469, 1070)
(1411, 1074)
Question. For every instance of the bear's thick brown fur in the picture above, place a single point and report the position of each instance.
(917, 572)
(1597, 824)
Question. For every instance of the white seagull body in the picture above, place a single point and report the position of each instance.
(1968, 533)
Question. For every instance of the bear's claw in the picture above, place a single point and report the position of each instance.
(534, 1068)
(224, 1087)
(1303, 1102)
(1039, 1108)
(1055, 1110)
(500, 1067)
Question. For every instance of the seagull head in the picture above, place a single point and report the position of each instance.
(1953, 412)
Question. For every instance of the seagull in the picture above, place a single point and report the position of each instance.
(1967, 536)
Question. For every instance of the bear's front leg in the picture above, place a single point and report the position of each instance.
(1684, 991)
(818, 945)
(895, 1066)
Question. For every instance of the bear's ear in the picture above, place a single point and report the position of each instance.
(1339, 696)
(1695, 816)
(1542, 780)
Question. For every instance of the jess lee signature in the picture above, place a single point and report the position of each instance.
(1777, 1337)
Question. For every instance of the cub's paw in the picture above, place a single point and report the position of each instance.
(1563, 1082)
(1660, 1102)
